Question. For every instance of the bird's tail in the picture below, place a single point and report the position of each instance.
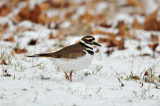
(40, 55)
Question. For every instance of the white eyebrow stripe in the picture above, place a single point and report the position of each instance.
(89, 38)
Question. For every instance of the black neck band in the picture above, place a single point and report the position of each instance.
(90, 52)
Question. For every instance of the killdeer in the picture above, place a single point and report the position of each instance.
(74, 57)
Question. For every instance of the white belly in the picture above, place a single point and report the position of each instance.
(68, 65)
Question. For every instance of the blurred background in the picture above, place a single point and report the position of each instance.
(28, 20)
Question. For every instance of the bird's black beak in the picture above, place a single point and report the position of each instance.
(95, 43)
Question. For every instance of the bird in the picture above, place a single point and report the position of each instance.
(74, 57)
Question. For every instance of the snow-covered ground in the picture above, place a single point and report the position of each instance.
(115, 80)
(37, 82)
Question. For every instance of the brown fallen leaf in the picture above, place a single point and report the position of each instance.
(69, 14)
(123, 29)
(87, 17)
(59, 36)
(45, 5)
(154, 38)
(136, 24)
(27, 14)
(14, 3)
(13, 52)
(139, 47)
(10, 39)
(60, 3)
(3, 62)
(98, 31)
(120, 44)
(4, 10)
(151, 22)
(102, 40)
(153, 46)
(109, 52)
(121, 25)
(105, 25)
(51, 36)
(3, 27)
(20, 51)
(134, 3)
(111, 43)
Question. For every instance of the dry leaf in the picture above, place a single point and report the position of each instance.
(109, 52)
(105, 25)
(4, 10)
(27, 14)
(102, 40)
(14, 3)
(87, 17)
(59, 36)
(139, 47)
(3, 27)
(151, 22)
(121, 25)
(120, 44)
(45, 6)
(3, 62)
(60, 3)
(153, 46)
(11, 39)
(154, 38)
(69, 14)
(20, 51)
(13, 52)
(112, 42)
(98, 31)
(134, 3)
(136, 24)
(123, 29)
(51, 36)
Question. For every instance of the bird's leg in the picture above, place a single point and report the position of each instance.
(67, 77)
(70, 76)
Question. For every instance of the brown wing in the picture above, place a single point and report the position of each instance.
(70, 52)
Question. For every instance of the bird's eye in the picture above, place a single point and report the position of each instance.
(90, 40)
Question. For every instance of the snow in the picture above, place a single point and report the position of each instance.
(27, 87)
(37, 82)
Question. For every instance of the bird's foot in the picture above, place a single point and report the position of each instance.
(67, 77)
(70, 76)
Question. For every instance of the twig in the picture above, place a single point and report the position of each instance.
(122, 85)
